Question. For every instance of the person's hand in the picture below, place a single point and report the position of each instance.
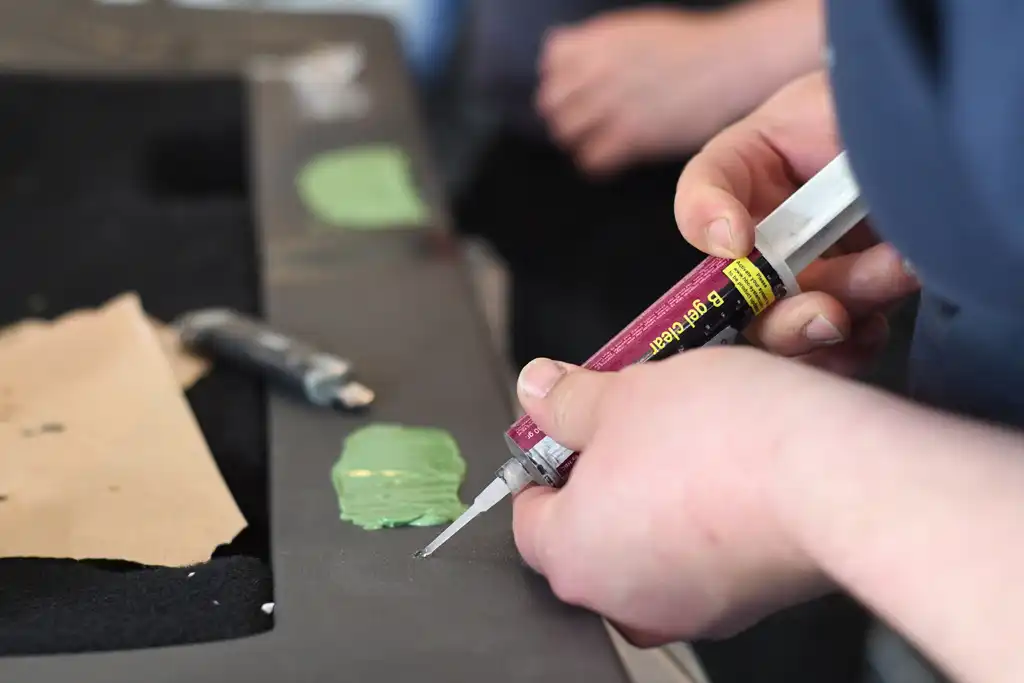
(637, 83)
(747, 171)
(667, 524)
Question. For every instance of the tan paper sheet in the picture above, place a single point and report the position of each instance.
(188, 368)
(100, 455)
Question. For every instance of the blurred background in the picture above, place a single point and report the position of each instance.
(554, 132)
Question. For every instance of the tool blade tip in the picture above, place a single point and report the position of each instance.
(355, 396)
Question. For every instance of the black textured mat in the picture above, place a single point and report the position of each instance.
(109, 187)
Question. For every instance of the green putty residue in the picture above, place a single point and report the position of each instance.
(390, 475)
(362, 188)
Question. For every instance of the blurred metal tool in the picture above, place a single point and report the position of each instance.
(322, 379)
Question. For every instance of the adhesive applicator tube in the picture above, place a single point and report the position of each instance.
(710, 306)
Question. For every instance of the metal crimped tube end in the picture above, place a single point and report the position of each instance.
(355, 395)
(515, 476)
(420, 553)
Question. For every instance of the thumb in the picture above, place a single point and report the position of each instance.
(563, 399)
(714, 197)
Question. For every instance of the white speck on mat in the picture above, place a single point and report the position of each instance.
(191, 574)
(268, 608)
(216, 602)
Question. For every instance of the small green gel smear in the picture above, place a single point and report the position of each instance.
(367, 187)
(391, 475)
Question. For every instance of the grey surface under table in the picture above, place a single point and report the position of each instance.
(355, 605)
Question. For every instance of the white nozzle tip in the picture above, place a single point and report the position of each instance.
(487, 499)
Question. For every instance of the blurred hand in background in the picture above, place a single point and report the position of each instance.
(637, 84)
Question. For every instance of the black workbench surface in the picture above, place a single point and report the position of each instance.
(353, 605)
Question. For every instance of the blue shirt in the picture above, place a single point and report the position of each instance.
(930, 100)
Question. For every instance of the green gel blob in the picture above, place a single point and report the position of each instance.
(362, 188)
(390, 475)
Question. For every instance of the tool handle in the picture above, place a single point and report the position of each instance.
(253, 346)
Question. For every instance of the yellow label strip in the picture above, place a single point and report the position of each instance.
(751, 283)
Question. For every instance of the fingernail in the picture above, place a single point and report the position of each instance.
(539, 377)
(720, 238)
(821, 331)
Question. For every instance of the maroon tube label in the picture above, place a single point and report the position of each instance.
(709, 306)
